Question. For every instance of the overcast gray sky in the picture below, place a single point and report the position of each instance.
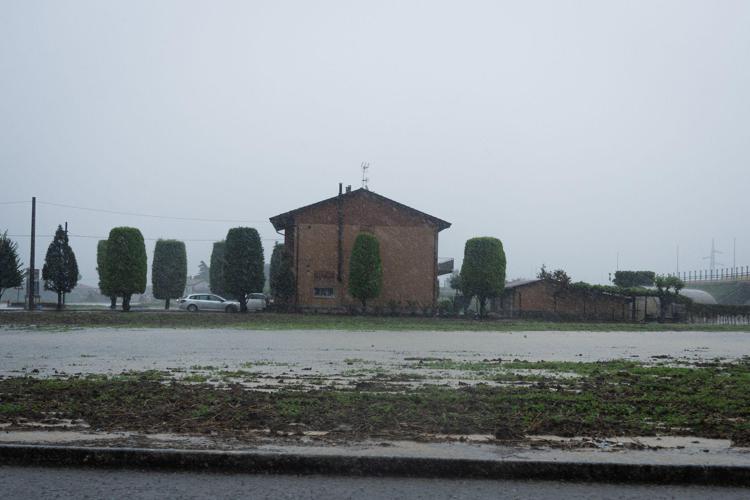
(571, 130)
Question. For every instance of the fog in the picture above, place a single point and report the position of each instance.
(583, 134)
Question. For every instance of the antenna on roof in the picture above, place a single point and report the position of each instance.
(365, 166)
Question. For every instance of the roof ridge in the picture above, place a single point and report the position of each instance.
(278, 220)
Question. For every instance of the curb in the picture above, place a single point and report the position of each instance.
(374, 466)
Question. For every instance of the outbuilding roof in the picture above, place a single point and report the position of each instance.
(520, 282)
(286, 219)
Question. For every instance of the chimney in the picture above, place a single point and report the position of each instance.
(341, 185)
(349, 188)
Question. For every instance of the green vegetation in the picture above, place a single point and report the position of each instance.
(667, 288)
(60, 270)
(126, 263)
(365, 269)
(628, 279)
(216, 271)
(278, 321)
(483, 270)
(10, 267)
(169, 270)
(282, 276)
(606, 399)
(243, 264)
(10, 409)
(105, 283)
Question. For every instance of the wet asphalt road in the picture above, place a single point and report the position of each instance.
(44, 483)
(103, 350)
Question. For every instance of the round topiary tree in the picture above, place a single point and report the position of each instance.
(216, 271)
(104, 283)
(169, 270)
(483, 270)
(243, 264)
(126, 263)
(365, 269)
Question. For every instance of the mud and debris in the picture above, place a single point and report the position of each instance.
(342, 387)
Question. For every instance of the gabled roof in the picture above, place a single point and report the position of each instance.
(281, 221)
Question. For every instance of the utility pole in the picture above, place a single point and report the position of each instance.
(678, 261)
(31, 257)
(66, 237)
(712, 258)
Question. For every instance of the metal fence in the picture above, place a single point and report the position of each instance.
(719, 319)
(724, 274)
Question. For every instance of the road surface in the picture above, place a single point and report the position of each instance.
(42, 483)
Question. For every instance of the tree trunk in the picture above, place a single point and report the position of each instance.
(243, 304)
(59, 301)
(113, 302)
(126, 302)
(166, 304)
(364, 307)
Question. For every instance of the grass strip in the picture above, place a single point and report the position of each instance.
(278, 321)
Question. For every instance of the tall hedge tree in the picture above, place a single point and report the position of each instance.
(282, 276)
(169, 270)
(126, 263)
(365, 269)
(628, 279)
(216, 271)
(667, 289)
(243, 264)
(60, 270)
(104, 283)
(483, 269)
(10, 267)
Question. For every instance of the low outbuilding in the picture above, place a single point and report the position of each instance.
(546, 299)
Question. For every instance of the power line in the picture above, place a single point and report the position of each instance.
(105, 237)
(14, 202)
(152, 216)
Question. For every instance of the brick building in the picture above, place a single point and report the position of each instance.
(549, 300)
(320, 237)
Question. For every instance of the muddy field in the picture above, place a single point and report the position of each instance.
(337, 385)
(272, 360)
(601, 400)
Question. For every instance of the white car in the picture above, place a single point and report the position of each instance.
(256, 302)
(212, 302)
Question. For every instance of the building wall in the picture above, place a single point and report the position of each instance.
(408, 250)
(544, 299)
